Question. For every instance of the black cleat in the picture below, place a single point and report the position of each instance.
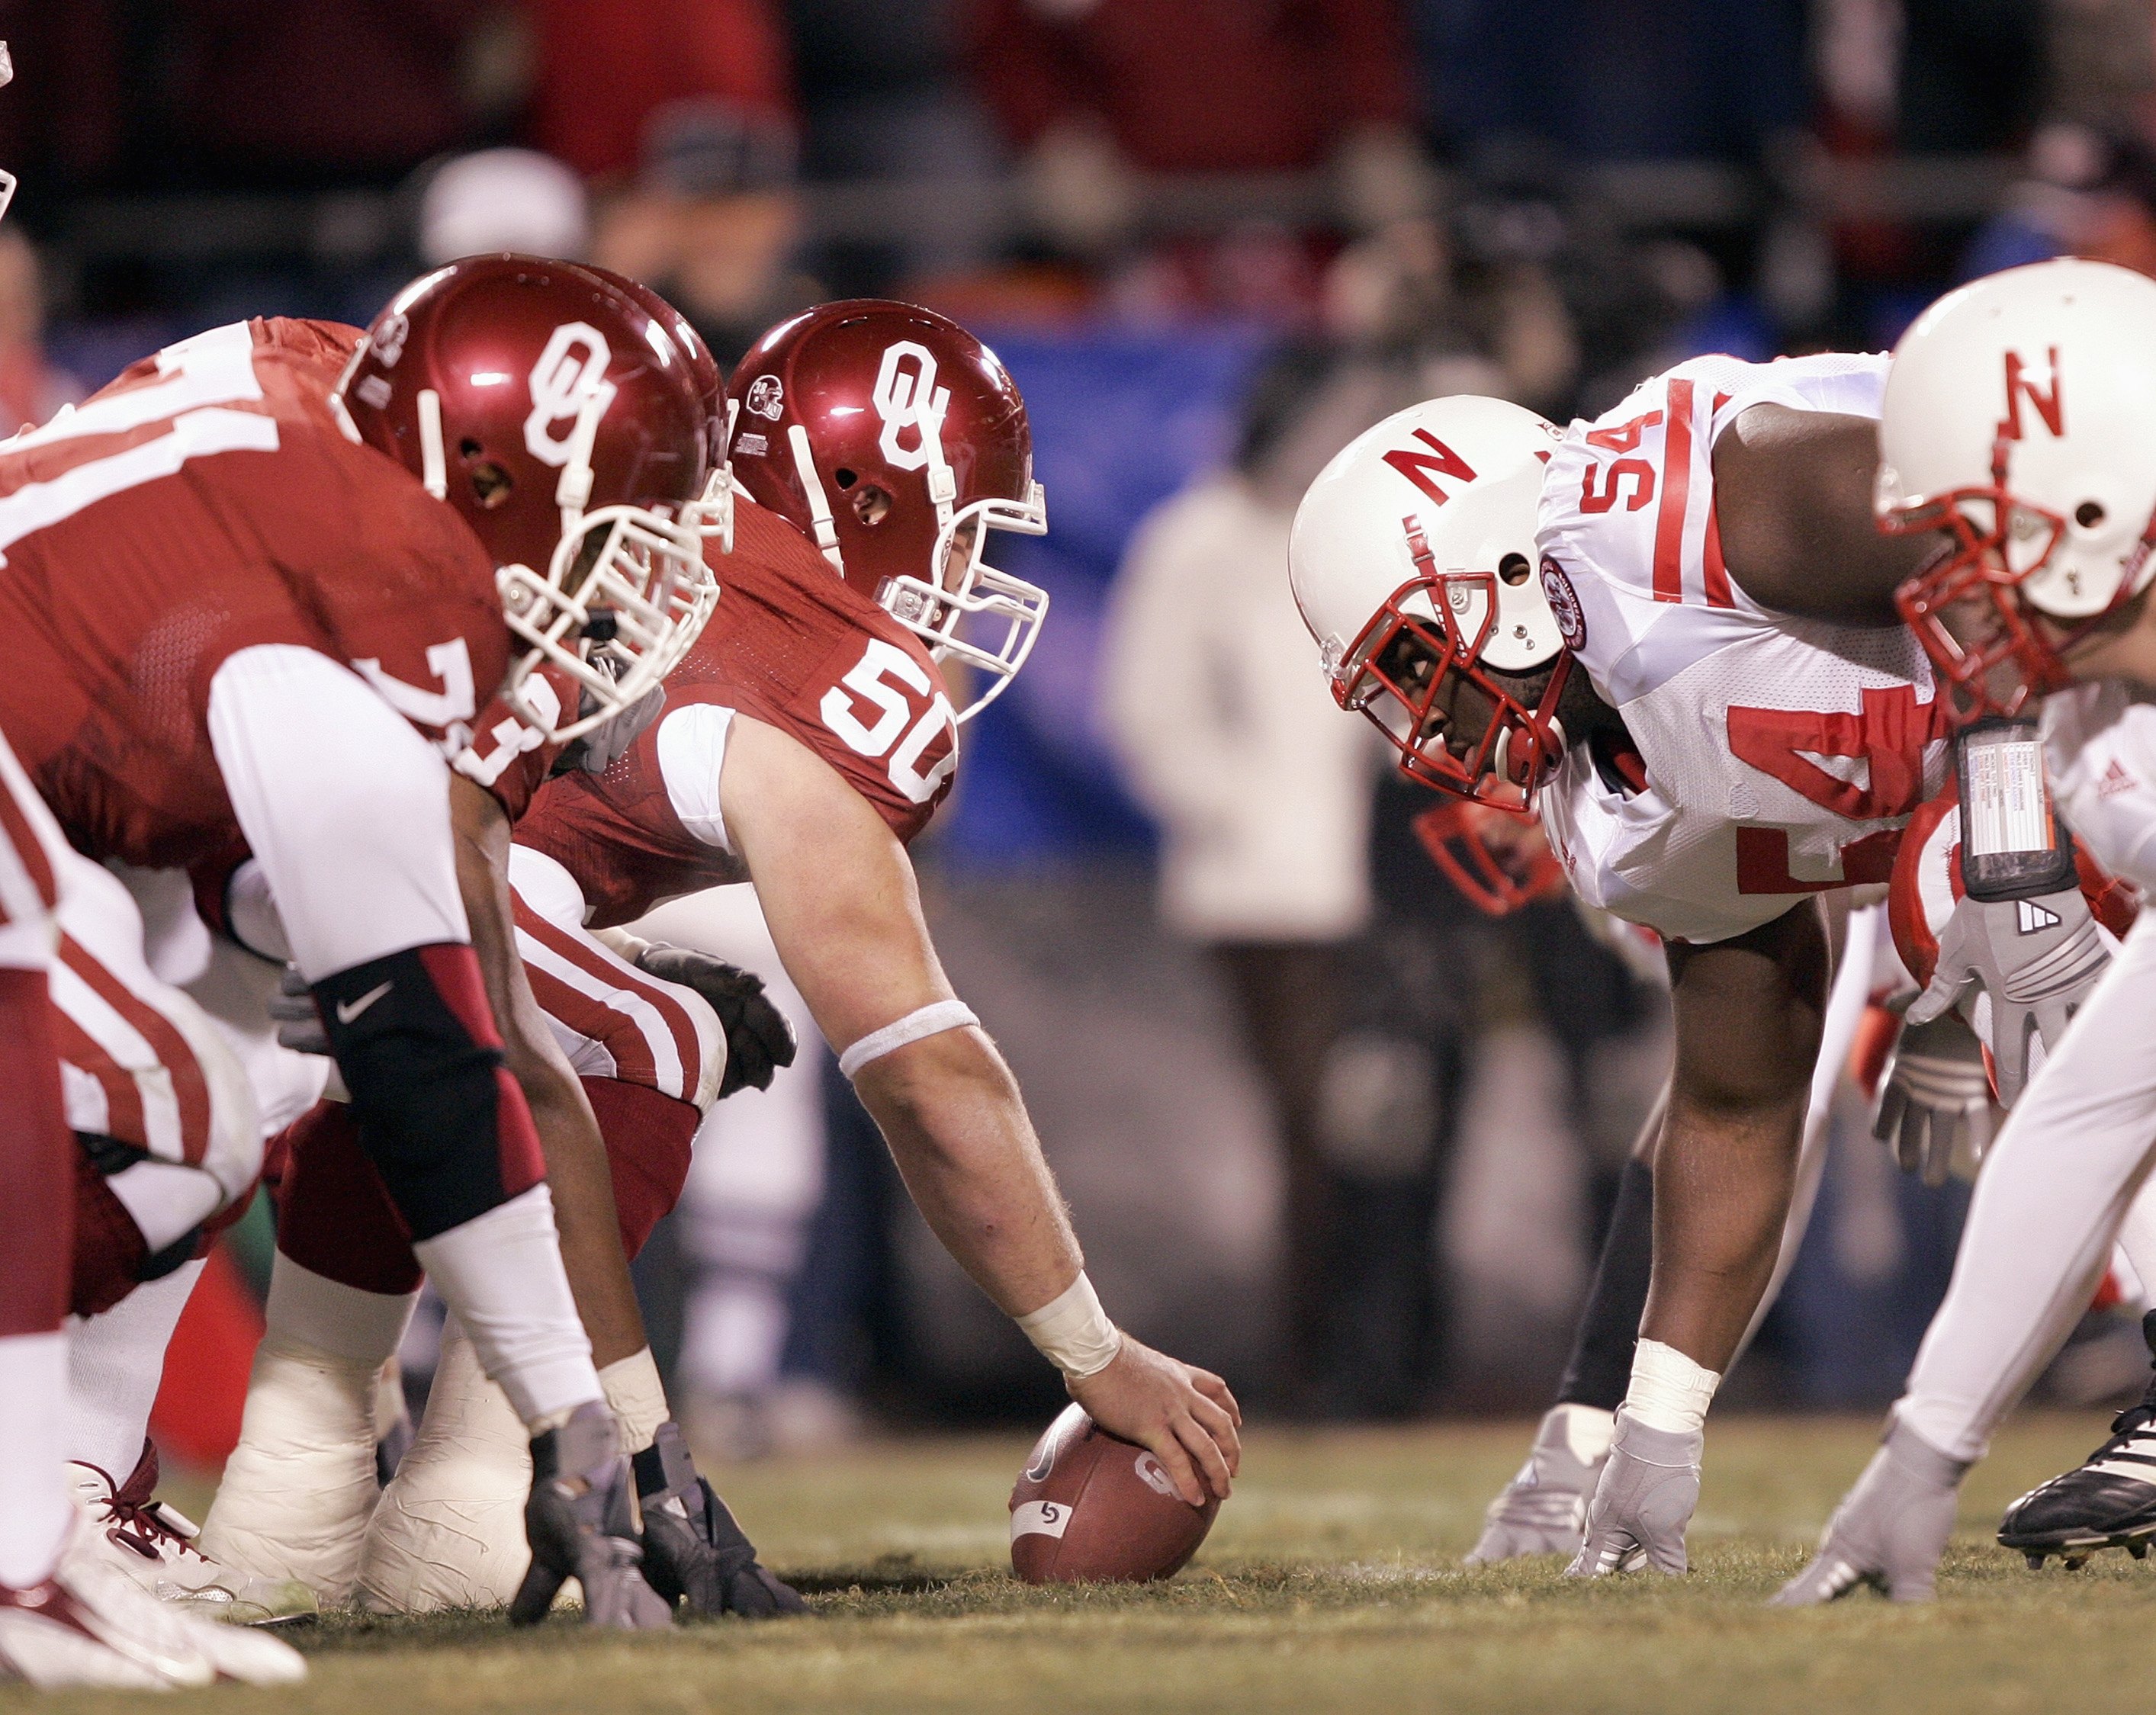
(2107, 1501)
(579, 1524)
(693, 1549)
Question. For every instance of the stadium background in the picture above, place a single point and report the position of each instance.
(1197, 231)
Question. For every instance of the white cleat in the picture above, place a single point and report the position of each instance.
(298, 1490)
(450, 1530)
(90, 1623)
(156, 1546)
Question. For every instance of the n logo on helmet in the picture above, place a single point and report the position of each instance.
(2020, 387)
(569, 372)
(906, 398)
(1417, 466)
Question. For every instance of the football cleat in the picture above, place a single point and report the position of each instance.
(91, 1623)
(2108, 1501)
(156, 1546)
(1889, 1530)
(693, 1549)
(1543, 1509)
(450, 1530)
(298, 1490)
(580, 1525)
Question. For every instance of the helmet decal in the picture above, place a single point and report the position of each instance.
(569, 371)
(2020, 387)
(909, 398)
(1416, 466)
(766, 398)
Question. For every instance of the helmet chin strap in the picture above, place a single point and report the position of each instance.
(573, 492)
(820, 504)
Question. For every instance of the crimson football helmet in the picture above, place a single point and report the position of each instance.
(712, 513)
(563, 419)
(895, 441)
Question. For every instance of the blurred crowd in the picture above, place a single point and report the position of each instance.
(1380, 201)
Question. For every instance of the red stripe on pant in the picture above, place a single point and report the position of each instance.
(36, 1162)
(335, 1218)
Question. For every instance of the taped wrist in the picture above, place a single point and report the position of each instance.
(439, 1114)
(2012, 844)
(1072, 1332)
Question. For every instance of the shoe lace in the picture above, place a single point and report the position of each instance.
(135, 1520)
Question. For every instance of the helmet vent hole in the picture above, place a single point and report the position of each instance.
(2089, 514)
(469, 448)
(1513, 568)
(845, 478)
(491, 484)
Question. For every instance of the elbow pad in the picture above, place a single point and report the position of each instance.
(439, 1114)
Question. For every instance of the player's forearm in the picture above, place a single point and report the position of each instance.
(569, 1137)
(958, 1131)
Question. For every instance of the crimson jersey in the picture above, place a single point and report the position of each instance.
(205, 502)
(795, 646)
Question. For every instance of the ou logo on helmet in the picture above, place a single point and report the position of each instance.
(906, 398)
(569, 377)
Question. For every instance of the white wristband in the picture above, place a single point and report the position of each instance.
(1668, 1392)
(1073, 1333)
(930, 1020)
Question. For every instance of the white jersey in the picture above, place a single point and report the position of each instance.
(1781, 756)
(2100, 750)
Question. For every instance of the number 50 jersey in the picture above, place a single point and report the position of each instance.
(795, 646)
(1777, 756)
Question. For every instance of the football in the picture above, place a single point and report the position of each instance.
(1091, 1506)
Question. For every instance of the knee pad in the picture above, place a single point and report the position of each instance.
(439, 1114)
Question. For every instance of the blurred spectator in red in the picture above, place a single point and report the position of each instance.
(273, 93)
(31, 389)
(712, 220)
(606, 67)
(1094, 91)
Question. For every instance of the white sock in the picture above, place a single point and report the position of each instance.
(35, 1512)
(310, 1311)
(637, 1397)
(501, 1273)
(115, 1361)
(1669, 1391)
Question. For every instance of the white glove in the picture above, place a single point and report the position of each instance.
(2037, 959)
(1934, 1095)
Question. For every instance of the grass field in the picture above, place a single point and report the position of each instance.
(1331, 1581)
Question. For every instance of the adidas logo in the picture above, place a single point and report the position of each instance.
(2115, 781)
(2034, 916)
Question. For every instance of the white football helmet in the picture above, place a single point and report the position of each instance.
(1414, 564)
(2020, 418)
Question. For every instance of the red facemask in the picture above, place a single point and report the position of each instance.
(1996, 667)
(1520, 745)
(1496, 880)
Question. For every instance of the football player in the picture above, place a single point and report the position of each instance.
(2020, 422)
(1606, 622)
(270, 574)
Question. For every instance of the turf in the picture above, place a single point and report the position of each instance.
(1331, 1582)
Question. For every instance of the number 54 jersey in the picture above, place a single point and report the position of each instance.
(795, 646)
(1775, 756)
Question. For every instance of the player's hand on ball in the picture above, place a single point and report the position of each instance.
(1185, 1417)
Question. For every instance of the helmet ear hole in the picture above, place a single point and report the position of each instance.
(468, 448)
(871, 505)
(845, 478)
(2089, 514)
(1513, 568)
(491, 484)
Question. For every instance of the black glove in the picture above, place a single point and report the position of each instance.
(692, 1547)
(758, 1038)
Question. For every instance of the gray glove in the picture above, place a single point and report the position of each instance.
(1889, 1530)
(299, 1022)
(2036, 958)
(1649, 1491)
(608, 744)
(1935, 1093)
(1543, 1509)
